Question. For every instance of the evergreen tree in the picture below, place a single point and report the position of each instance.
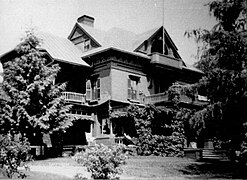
(33, 104)
(223, 59)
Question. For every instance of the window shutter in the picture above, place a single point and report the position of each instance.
(129, 89)
(98, 89)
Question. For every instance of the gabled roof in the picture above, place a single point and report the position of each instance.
(149, 35)
(114, 37)
(119, 38)
(95, 34)
(122, 41)
(140, 38)
(61, 49)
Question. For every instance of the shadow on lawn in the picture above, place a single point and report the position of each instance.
(215, 169)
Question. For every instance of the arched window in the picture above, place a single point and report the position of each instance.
(93, 89)
(88, 90)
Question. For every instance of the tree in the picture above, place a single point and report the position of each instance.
(223, 59)
(34, 105)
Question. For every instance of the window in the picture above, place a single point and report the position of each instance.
(88, 90)
(93, 89)
(96, 89)
(133, 87)
(86, 44)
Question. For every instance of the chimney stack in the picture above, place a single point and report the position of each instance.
(87, 20)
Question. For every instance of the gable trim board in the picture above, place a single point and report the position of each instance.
(87, 33)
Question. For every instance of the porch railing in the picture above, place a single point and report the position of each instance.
(162, 97)
(155, 98)
(74, 97)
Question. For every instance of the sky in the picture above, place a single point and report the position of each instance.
(59, 16)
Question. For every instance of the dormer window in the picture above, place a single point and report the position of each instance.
(86, 45)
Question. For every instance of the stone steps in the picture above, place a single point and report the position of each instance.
(211, 154)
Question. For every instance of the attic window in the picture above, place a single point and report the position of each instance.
(86, 45)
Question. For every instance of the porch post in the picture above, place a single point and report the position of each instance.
(91, 129)
(111, 130)
(96, 125)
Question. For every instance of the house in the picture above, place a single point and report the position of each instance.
(109, 70)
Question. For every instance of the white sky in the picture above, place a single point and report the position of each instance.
(59, 16)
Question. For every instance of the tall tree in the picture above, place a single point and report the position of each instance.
(223, 58)
(34, 104)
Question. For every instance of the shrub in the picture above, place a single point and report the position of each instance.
(13, 154)
(101, 161)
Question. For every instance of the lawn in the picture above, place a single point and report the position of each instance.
(182, 168)
(40, 176)
(141, 168)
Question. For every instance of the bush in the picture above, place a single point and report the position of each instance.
(13, 154)
(101, 161)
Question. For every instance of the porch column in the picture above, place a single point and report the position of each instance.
(96, 125)
(111, 130)
(91, 129)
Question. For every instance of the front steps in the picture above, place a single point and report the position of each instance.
(206, 154)
(211, 154)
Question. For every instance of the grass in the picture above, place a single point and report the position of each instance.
(149, 167)
(40, 176)
(182, 168)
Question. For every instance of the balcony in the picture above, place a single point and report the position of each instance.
(156, 98)
(74, 97)
(163, 97)
(166, 60)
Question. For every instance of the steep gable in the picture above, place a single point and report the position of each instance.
(153, 40)
(85, 38)
(92, 41)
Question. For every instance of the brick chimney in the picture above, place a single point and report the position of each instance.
(87, 20)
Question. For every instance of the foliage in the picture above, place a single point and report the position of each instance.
(102, 162)
(159, 130)
(13, 154)
(223, 60)
(34, 105)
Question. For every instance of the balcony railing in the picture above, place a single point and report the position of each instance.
(163, 97)
(155, 98)
(166, 60)
(74, 97)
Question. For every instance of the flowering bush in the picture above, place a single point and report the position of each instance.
(101, 161)
(13, 154)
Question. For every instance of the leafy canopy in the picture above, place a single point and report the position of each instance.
(33, 103)
(223, 59)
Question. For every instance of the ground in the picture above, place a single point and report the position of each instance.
(141, 168)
